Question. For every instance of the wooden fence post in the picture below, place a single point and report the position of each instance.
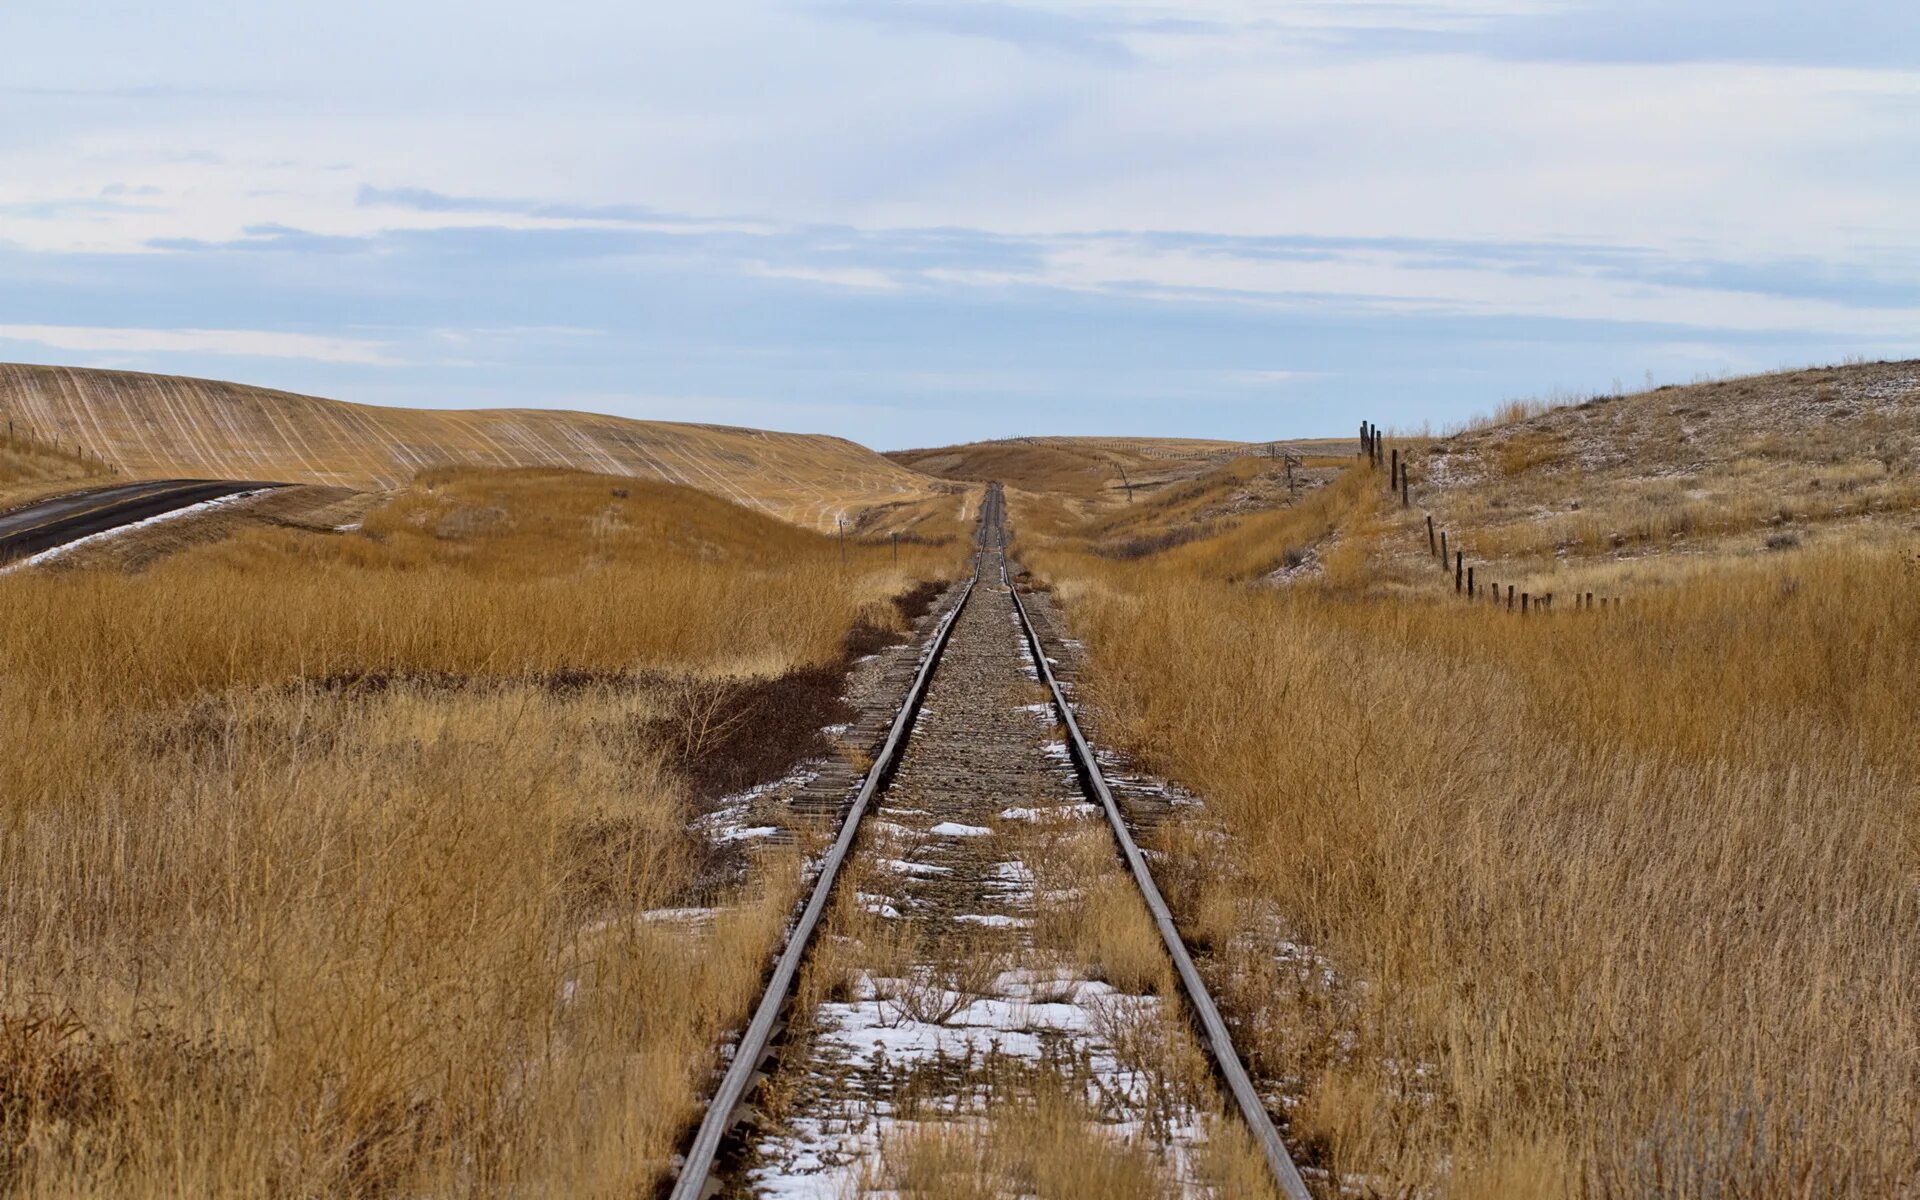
(1443, 549)
(1471, 592)
(1509, 597)
(1403, 487)
(1459, 570)
(1393, 475)
(1523, 604)
(1430, 546)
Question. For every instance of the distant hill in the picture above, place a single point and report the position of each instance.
(1094, 468)
(160, 425)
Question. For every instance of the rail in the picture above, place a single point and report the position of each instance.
(723, 1111)
(754, 1048)
(1219, 1040)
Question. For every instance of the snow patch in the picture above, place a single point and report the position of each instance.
(177, 514)
(956, 829)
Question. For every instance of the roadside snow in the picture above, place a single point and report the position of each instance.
(177, 514)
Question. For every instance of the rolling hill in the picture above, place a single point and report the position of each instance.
(1759, 463)
(1095, 469)
(146, 426)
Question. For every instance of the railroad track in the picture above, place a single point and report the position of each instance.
(957, 958)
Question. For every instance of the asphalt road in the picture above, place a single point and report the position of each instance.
(63, 519)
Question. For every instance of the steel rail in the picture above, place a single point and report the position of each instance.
(1219, 1040)
(753, 1047)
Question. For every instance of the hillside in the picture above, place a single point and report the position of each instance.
(157, 425)
(1621, 489)
(1095, 470)
(31, 468)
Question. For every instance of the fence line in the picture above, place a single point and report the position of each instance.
(1452, 557)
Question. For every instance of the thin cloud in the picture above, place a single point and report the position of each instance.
(236, 343)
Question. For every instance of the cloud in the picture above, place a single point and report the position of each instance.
(1029, 27)
(235, 343)
(845, 277)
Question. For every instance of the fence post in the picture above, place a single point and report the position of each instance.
(1443, 549)
(1523, 604)
(1472, 591)
(1403, 487)
(1430, 546)
(1459, 570)
(1509, 597)
(1393, 476)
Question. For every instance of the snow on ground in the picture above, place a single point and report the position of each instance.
(178, 514)
(1051, 812)
(956, 829)
(728, 820)
(891, 1029)
(903, 867)
(996, 920)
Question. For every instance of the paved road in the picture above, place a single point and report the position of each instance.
(55, 522)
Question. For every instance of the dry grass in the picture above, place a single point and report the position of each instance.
(31, 469)
(164, 426)
(1712, 469)
(1611, 905)
(324, 858)
(1045, 1144)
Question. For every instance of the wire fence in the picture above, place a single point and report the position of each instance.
(1470, 582)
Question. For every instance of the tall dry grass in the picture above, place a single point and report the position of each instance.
(326, 863)
(1615, 905)
(31, 468)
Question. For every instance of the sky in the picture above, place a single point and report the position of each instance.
(916, 222)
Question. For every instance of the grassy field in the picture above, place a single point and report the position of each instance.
(1609, 904)
(348, 863)
(1615, 494)
(31, 469)
(345, 846)
(163, 426)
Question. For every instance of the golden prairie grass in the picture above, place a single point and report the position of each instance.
(334, 865)
(1612, 904)
(31, 469)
